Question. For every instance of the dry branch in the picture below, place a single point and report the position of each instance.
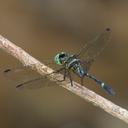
(83, 92)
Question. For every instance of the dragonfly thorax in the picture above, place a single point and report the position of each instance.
(70, 62)
(61, 58)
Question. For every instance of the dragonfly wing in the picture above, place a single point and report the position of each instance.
(51, 64)
(35, 83)
(24, 77)
(87, 64)
(93, 48)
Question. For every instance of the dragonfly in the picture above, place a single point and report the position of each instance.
(78, 63)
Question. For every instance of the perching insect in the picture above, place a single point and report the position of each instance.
(78, 63)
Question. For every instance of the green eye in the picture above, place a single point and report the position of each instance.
(57, 59)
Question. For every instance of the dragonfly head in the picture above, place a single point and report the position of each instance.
(60, 58)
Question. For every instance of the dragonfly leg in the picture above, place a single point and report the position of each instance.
(69, 74)
(64, 76)
(65, 73)
(57, 71)
(82, 81)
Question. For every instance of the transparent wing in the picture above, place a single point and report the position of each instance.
(51, 64)
(93, 48)
(24, 77)
(87, 64)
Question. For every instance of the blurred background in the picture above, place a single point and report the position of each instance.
(46, 27)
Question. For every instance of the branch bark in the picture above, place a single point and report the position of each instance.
(83, 92)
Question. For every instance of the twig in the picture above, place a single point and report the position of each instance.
(83, 92)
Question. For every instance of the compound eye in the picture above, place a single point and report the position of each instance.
(62, 55)
(57, 59)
